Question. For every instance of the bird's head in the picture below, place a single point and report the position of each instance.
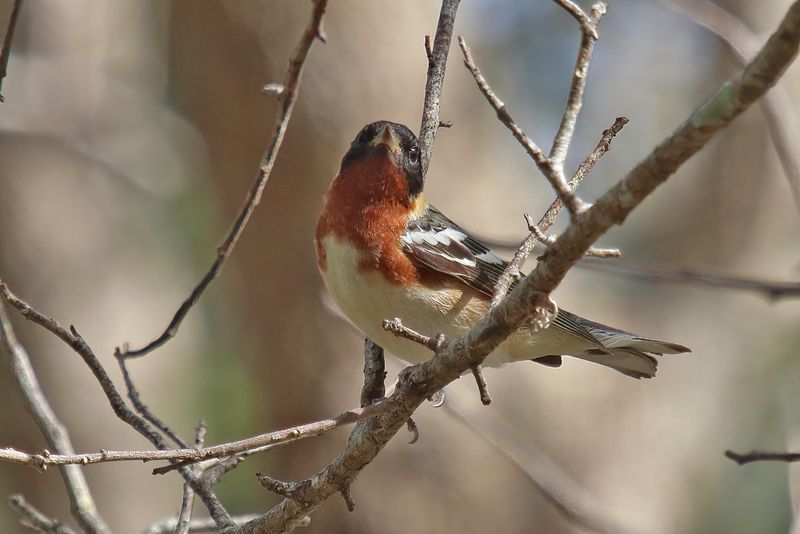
(389, 154)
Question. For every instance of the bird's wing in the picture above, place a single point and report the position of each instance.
(438, 243)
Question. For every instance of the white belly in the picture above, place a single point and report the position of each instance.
(367, 298)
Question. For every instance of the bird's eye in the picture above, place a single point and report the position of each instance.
(364, 137)
(413, 155)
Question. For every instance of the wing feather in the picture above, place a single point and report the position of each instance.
(438, 243)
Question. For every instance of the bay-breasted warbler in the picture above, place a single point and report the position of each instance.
(384, 252)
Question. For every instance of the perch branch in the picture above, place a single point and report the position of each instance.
(374, 373)
(286, 99)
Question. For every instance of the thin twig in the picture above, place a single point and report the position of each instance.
(36, 520)
(82, 504)
(437, 65)
(745, 43)
(192, 455)
(286, 99)
(514, 269)
(118, 405)
(761, 456)
(187, 500)
(659, 273)
(483, 389)
(142, 409)
(588, 23)
(168, 525)
(396, 327)
(5, 52)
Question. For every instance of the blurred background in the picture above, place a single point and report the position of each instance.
(132, 130)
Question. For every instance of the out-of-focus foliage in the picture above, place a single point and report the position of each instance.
(131, 131)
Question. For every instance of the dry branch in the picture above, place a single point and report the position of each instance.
(82, 503)
(437, 65)
(287, 97)
(762, 456)
(36, 520)
(5, 51)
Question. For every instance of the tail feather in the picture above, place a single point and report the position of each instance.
(629, 354)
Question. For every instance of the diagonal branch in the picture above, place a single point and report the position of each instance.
(514, 269)
(36, 520)
(419, 381)
(563, 138)
(72, 338)
(5, 51)
(437, 64)
(287, 96)
(81, 501)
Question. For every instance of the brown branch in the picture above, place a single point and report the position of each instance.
(396, 327)
(82, 504)
(437, 65)
(761, 456)
(142, 409)
(5, 51)
(419, 381)
(194, 455)
(659, 273)
(168, 525)
(374, 373)
(36, 520)
(514, 269)
(118, 405)
(286, 99)
(588, 23)
(745, 43)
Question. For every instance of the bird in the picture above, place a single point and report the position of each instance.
(384, 252)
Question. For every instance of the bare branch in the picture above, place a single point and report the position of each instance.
(437, 64)
(286, 99)
(374, 373)
(36, 520)
(563, 138)
(118, 405)
(419, 381)
(659, 273)
(81, 501)
(5, 51)
(168, 525)
(761, 456)
(396, 327)
(483, 389)
(142, 409)
(192, 455)
(514, 269)
(745, 43)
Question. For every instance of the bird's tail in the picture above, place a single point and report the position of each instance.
(627, 353)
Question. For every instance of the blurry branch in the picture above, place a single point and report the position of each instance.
(572, 501)
(760, 456)
(660, 273)
(72, 338)
(82, 503)
(437, 64)
(287, 96)
(745, 43)
(187, 499)
(36, 520)
(193, 455)
(169, 524)
(5, 51)
(418, 382)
